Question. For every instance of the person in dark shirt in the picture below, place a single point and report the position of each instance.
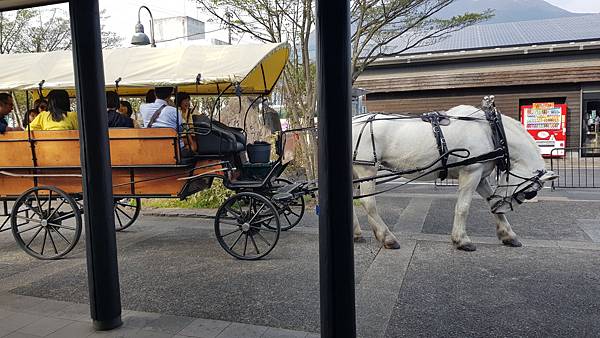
(116, 119)
(6, 106)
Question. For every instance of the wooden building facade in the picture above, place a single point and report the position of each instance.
(567, 73)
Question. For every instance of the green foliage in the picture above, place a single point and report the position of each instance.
(42, 30)
(208, 199)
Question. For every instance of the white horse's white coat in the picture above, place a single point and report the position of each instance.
(409, 144)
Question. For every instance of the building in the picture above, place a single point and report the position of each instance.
(179, 29)
(544, 61)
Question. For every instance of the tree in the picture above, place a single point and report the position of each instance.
(386, 28)
(48, 31)
(42, 30)
(277, 21)
(11, 28)
(379, 28)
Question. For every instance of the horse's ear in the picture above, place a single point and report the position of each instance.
(548, 176)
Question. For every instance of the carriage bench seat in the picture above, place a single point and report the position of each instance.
(128, 147)
(216, 138)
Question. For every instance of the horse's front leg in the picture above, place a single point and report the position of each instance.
(468, 180)
(503, 229)
(381, 230)
(358, 237)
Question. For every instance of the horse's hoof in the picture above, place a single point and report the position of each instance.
(392, 245)
(513, 242)
(360, 239)
(467, 247)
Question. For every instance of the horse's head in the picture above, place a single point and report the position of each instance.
(527, 173)
(514, 188)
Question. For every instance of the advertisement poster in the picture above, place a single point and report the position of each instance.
(547, 123)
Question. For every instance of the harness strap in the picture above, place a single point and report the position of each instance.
(434, 119)
(494, 118)
(369, 121)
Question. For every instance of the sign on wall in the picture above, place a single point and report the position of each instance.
(547, 123)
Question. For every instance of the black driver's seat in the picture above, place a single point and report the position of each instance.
(217, 139)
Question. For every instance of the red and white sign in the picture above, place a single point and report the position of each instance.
(547, 123)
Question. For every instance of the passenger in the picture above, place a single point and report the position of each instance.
(59, 115)
(116, 119)
(30, 116)
(159, 114)
(6, 106)
(125, 108)
(150, 96)
(40, 105)
(184, 106)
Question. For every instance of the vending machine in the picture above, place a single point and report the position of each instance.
(547, 123)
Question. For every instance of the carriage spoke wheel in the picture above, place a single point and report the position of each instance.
(247, 226)
(46, 222)
(290, 213)
(4, 223)
(127, 211)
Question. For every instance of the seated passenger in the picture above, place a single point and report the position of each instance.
(116, 119)
(184, 106)
(40, 105)
(6, 106)
(30, 116)
(159, 114)
(126, 109)
(59, 116)
(150, 96)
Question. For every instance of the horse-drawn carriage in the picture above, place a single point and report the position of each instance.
(40, 171)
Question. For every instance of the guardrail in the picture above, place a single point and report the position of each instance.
(576, 167)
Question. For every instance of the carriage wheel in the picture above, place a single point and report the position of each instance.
(247, 226)
(46, 222)
(290, 213)
(127, 211)
(4, 223)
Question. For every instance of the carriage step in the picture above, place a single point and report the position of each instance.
(285, 193)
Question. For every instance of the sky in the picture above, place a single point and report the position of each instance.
(122, 14)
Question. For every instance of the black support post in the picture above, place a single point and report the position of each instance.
(336, 250)
(101, 248)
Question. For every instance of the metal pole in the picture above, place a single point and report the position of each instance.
(101, 248)
(336, 247)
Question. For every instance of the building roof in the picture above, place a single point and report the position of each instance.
(560, 30)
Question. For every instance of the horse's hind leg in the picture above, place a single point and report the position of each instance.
(503, 229)
(468, 181)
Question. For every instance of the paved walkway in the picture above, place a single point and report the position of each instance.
(34, 317)
(173, 272)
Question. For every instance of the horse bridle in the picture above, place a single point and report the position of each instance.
(519, 194)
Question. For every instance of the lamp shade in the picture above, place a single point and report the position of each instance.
(140, 38)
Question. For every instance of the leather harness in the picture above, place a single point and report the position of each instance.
(500, 153)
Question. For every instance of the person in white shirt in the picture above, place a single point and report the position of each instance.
(159, 114)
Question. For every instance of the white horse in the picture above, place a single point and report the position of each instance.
(409, 143)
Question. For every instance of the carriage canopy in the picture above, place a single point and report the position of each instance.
(202, 70)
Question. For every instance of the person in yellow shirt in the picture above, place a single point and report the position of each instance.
(58, 116)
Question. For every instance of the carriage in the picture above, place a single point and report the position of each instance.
(40, 171)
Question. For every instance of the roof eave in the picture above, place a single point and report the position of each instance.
(11, 5)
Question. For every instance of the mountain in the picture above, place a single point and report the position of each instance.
(508, 10)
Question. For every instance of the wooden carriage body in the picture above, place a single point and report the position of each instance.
(145, 162)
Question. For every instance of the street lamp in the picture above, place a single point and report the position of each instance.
(140, 38)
